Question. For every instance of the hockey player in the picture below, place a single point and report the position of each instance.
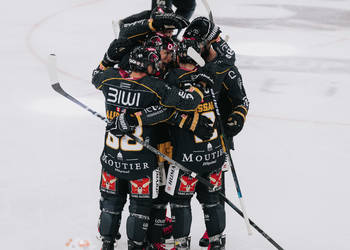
(160, 39)
(233, 102)
(199, 125)
(134, 31)
(231, 91)
(205, 157)
(187, 75)
(127, 166)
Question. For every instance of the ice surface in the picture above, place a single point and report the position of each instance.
(292, 158)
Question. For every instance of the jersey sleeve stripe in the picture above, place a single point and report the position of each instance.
(239, 113)
(223, 72)
(144, 33)
(186, 74)
(195, 121)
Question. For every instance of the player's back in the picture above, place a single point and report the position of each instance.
(194, 153)
(122, 156)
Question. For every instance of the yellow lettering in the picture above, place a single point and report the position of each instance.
(111, 114)
(205, 107)
(200, 108)
(211, 105)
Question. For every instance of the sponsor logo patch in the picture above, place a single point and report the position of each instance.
(187, 184)
(108, 183)
(140, 187)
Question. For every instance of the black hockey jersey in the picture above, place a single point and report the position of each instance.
(195, 154)
(122, 156)
(232, 96)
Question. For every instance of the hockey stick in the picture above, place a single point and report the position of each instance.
(206, 5)
(197, 58)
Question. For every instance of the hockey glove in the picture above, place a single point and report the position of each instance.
(116, 51)
(100, 68)
(203, 30)
(200, 125)
(235, 121)
(204, 129)
(161, 22)
(123, 124)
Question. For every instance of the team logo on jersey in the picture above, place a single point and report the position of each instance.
(108, 183)
(140, 187)
(216, 180)
(120, 156)
(187, 184)
(209, 147)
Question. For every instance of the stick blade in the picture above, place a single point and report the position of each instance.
(191, 52)
(57, 87)
(115, 27)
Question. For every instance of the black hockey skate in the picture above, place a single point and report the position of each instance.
(217, 242)
(133, 245)
(107, 245)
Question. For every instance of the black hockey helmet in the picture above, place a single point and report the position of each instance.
(161, 42)
(141, 57)
(183, 47)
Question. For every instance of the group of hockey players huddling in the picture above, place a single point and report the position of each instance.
(156, 92)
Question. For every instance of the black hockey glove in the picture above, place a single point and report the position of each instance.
(200, 125)
(204, 129)
(167, 21)
(116, 51)
(123, 124)
(234, 124)
(100, 68)
(203, 30)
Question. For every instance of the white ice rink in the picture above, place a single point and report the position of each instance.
(292, 157)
